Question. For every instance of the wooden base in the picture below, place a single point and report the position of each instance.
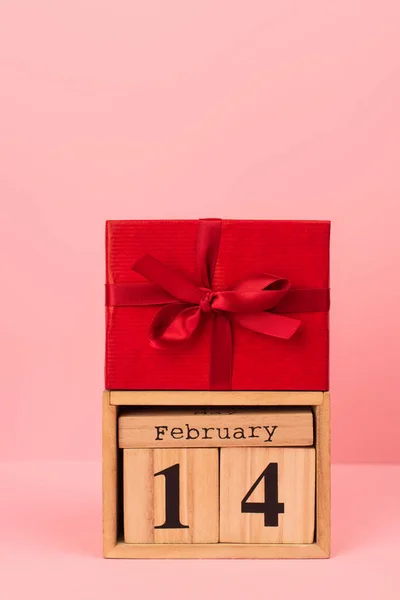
(123, 550)
(114, 548)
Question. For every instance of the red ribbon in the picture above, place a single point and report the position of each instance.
(249, 303)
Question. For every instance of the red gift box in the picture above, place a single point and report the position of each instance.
(192, 305)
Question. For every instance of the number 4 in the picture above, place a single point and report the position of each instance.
(271, 508)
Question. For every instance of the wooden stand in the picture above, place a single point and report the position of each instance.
(113, 544)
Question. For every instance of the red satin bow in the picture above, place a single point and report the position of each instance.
(247, 304)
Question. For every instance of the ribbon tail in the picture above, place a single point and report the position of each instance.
(268, 323)
(221, 353)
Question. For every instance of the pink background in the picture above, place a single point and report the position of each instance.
(183, 109)
(148, 109)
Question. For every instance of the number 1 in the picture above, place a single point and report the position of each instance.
(172, 520)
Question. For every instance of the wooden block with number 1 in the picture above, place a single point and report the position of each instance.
(171, 496)
(267, 495)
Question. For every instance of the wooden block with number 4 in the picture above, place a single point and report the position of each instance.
(267, 495)
(171, 496)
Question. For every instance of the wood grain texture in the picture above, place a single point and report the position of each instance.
(239, 470)
(191, 428)
(138, 486)
(109, 474)
(221, 551)
(145, 495)
(210, 398)
(323, 472)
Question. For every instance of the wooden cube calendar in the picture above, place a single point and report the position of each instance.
(214, 474)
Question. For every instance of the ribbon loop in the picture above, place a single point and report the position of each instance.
(171, 281)
(173, 323)
(255, 294)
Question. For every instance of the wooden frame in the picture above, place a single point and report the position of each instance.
(115, 548)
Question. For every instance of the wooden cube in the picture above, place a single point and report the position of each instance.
(199, 427)
(170, 496)
(267, 495)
